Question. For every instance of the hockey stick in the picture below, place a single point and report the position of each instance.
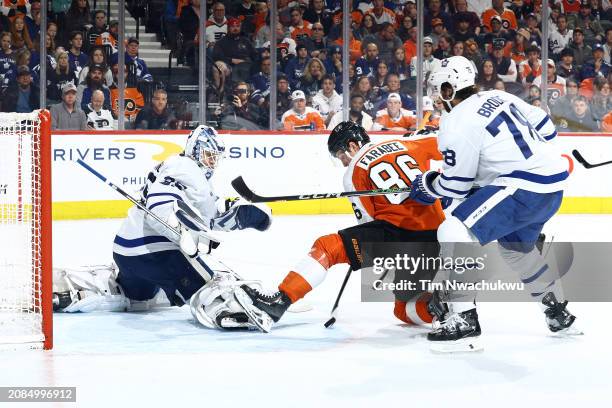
(245, 192)
(334, 313)
(585, 163)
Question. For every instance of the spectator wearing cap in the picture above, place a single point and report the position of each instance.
(94, 81)
(67, 115)
(380, 13)
(316, 13)
(300, 116)
(434, 12)
(556, 83)
(386, 41)
(519, 45)
(608, 45)
(498, 9)
(296, 66)
(566, 67)
(597, 66)
(580, 118)
(366, 64)
(97, 56)
(216, 25)
(235, 51)
(591, 27)
(96, 30)
(333, 62)
(430, 63)
(560, 36)
(283, 97)
(98, 118)
(135, 64)
(22, 95)
(260, 82)
(241, 113)
(463, 14)
(394, 117)
(463, 30)
(531, 67)
(437, 31)
(582, 52)
(158, 115)
(327, 101)
(299, 29)
(78, 59)
(504, 66)
(498, 31)
(356, 114)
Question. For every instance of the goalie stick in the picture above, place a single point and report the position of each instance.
(245, 192)
(585, 163)
(334, 310)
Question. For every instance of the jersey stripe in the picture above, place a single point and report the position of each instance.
(457, 178)
(538, 178)
(160, 203)
(461, 192)
(136, 242)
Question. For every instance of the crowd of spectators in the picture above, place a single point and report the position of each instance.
(503, 40)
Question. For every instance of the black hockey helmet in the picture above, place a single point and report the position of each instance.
(346, 132)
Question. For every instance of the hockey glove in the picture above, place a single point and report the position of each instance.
(242, 215)
(421, 191)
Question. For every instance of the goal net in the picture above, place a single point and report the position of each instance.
(25, 230)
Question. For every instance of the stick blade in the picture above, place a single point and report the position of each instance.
(243, 190)
(329, 323)
(581, 159)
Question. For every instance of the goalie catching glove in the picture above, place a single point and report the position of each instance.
(238, 215)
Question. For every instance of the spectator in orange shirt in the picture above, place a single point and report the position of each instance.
(301, 117)
(498, 9)
(532, 66)
(606, 122)
(382, 14)
(299, 29)
(394, 117)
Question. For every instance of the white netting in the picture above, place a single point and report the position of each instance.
(20, 231)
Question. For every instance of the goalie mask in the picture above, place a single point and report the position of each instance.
(454, 74)
(204, 145)
(342, 135)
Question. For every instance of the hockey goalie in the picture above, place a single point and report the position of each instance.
(153, 265)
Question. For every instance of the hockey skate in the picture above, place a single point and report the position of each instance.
(262, 309)
(457, 333)
(560, 321)
(438, 308)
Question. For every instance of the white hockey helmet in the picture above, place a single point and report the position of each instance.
(204, 145)
(456, 71)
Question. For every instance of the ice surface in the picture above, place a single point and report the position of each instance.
(163, 359)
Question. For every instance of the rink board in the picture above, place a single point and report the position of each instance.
(271, 163)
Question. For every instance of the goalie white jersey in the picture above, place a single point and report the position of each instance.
(178, 178)
(495, 138)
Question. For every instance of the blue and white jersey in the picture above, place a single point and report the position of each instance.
(178, 178)
(495, 138)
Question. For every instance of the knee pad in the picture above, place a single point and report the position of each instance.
(453, 230)
(329, 250)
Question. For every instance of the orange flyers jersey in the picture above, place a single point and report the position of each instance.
(393, 164)
(311, 119)
(508, 18)
(134, 101)
(406, 119)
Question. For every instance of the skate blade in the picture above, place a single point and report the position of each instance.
(257, 317)
(569, 332)
(467, 345)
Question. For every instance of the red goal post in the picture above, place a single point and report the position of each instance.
(26, 309)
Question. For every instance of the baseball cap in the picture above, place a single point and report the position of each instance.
(133, 40)
(524, 32)
(394, 96)
(68, 88)
(597, 47)
(551, 62)
(427, 40)
(578, 29)
(585, 4)
(233, 22)
(336, 49)
(566, 51)
(532, 15)
(114, 23)
(298, 95)
(496, 18)
(23, 70)
(97, 67)
(436, 21)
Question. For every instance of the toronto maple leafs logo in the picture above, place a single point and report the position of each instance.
(444, 62)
